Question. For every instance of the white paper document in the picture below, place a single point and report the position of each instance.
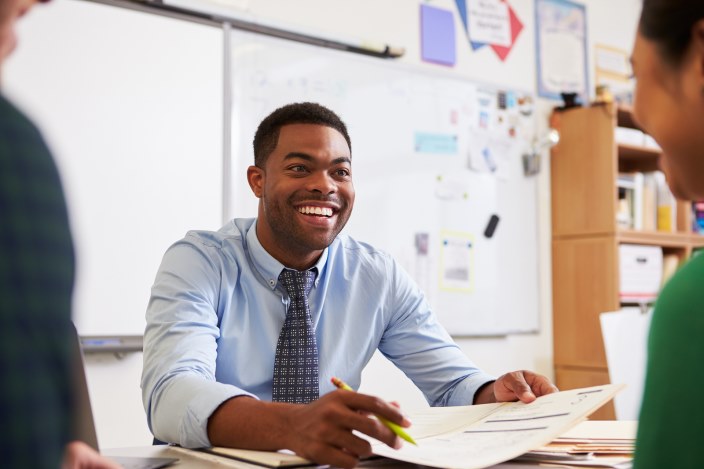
(625, 334)
(473, 437)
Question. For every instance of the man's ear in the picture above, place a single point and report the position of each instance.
(255, 178)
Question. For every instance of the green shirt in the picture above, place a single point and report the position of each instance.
(36, 280)
(671, 424)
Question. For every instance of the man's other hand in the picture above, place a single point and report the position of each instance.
(522, 385)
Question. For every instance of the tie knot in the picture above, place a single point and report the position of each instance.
(296, 282)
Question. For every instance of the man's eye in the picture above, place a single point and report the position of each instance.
(342, 172)
(298, 168)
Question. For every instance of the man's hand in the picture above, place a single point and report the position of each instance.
(518, 385)
(320, 431)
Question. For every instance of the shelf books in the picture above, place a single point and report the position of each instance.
(630, 190)
(670, 263)
(646, 203)
(666, 204)
(698, 217)
(649, 211)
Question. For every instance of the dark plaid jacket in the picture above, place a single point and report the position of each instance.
(36, 281)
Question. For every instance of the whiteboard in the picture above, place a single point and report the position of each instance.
(433, 154)
(131, 106)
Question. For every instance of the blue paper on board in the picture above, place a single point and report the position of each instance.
(437, 32)
(441, 144)
(462, 8)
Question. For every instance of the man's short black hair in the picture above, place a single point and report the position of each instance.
(267, 134)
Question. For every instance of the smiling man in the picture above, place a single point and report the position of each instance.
(246, 326)
(306, 191)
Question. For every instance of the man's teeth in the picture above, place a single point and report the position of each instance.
(322, 211)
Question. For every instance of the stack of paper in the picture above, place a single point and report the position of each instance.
(590, 444)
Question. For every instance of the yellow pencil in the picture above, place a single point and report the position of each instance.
(392, 426)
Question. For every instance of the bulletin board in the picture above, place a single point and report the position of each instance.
(435, 157)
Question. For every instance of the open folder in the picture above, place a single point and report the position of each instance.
(261, 458)
(471, 437)
(477, 436)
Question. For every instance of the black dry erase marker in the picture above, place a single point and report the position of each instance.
(491, 226)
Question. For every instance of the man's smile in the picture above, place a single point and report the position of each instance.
(316, 211)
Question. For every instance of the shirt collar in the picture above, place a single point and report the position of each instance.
(270, 268)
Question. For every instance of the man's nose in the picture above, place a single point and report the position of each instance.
(322, 182)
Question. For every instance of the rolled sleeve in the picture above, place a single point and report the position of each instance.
(184, 407)
(464, 391)
(179, 389)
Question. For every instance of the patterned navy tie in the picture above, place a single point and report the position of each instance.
(296, 361)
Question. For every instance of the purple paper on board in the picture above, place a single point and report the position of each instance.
(437, 32)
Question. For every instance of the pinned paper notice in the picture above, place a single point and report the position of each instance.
(457, 261)
(489, 22)
(426, 142)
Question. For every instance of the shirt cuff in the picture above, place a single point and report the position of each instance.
(464, 392)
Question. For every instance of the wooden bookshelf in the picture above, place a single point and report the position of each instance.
(586, 237)
(656, 238)
(637, 158)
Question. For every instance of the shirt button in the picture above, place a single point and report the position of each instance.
(272, 282)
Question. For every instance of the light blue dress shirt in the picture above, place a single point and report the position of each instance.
(216, 311)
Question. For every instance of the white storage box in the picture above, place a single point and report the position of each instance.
(628, 136)
(640, 270)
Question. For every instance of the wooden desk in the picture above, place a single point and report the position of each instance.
(193, 460)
